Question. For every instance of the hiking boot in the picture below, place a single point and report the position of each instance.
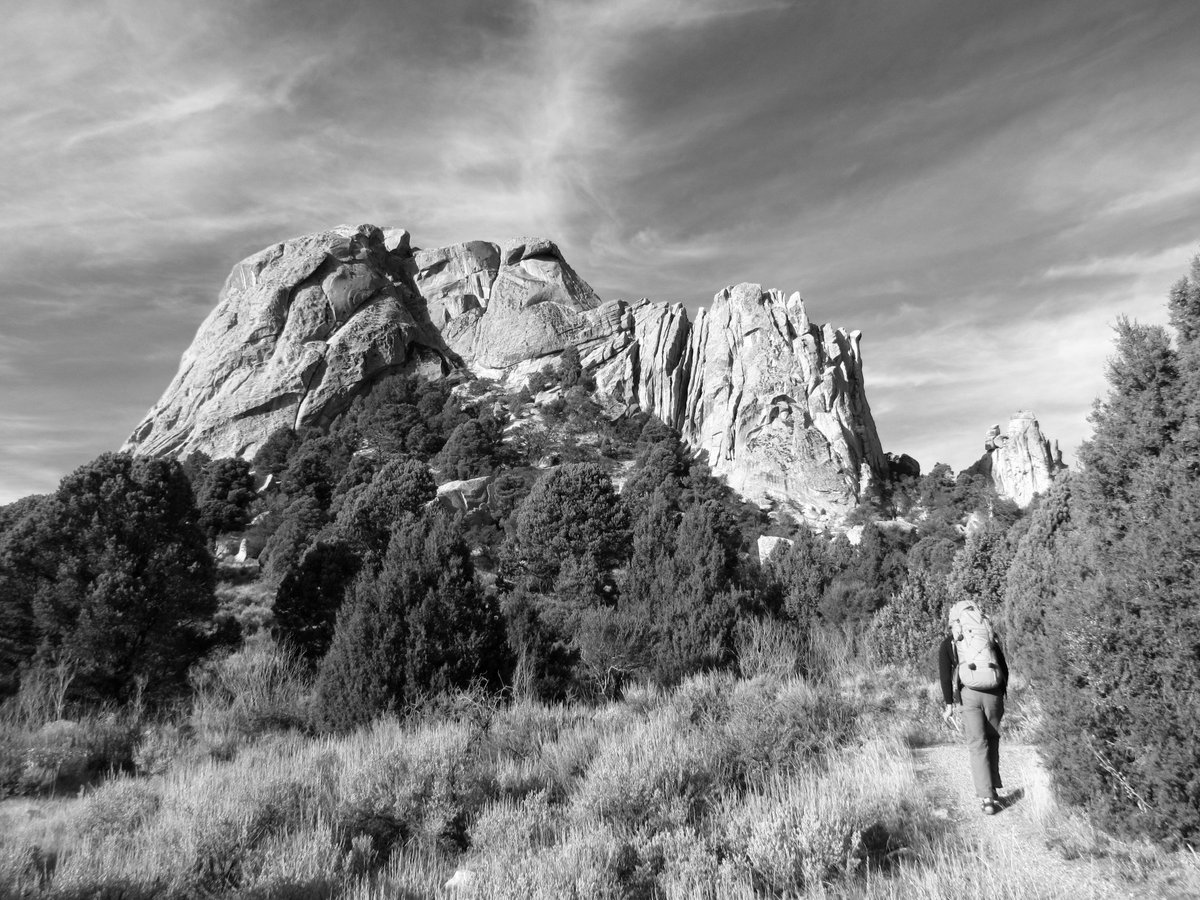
(989, 807)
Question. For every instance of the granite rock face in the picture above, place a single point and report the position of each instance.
(500, 305)
(778, 403)
(299, 329)
(775, 402)
(1021, 461)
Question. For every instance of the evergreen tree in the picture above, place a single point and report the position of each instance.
(660, 468)
(1133, 423)
(799, 574)
(571, 511)
(401, 488)
(1046, 563)
(1184, 308)
(310, 472)
(298, 525)
(118, 575)
(909, 628)
(417, 626)
(469, 451)
(225, 496)
(362, 675)
(649, 575)
(1119, 616)
(272, 456)
(981, 568)
(455, 632)
(309, 595)
(570, 368)
(695, 620)
(23, 525)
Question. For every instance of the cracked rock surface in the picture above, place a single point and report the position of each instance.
(299, 329)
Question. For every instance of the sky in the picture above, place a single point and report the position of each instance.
(981, 188)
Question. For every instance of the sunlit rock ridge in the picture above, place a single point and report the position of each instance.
(776, 402)
(1020, 461)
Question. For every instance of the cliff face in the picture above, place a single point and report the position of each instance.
(776, 402)
(298, 330)
(1020, 461)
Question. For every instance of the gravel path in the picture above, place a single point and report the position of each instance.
(1016, 832)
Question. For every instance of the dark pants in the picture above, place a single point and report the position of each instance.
(981, 715)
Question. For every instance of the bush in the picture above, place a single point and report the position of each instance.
(425, 790)
(771, 648)
(243, 695)
(791, 838)
(649, 777)
(908, 630)
(64, 754)
(118, 806)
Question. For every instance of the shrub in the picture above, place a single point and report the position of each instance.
(243, 695)
(780, 726)
(158, 747)
(651, 776)
(425, 790)
(771, 648)
(508, 828)
(909, 628)
(790, 838)
(118, 806)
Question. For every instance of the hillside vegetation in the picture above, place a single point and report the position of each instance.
(584, 679)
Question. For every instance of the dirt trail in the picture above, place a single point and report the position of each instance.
(1016, 832)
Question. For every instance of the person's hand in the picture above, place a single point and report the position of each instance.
(948, 716)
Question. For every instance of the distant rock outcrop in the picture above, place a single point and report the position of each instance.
(1020, 462)
(776, 402)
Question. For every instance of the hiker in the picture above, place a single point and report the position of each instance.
(975, 680)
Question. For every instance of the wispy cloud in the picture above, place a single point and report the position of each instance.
(968, 185)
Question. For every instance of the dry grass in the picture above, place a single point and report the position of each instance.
(723, 787)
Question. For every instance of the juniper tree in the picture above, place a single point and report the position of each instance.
(1120, 617)
(118, 575)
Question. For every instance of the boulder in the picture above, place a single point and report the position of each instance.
(902, 466)
(464, 496)
(767, 544)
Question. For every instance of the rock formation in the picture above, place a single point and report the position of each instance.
(299, 329)
(1021, 461)
(775, 402)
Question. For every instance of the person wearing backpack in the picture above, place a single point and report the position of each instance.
(975, 680)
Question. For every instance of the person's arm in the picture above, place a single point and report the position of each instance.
(946, 670)
(1003, 663)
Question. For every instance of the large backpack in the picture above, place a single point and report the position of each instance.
(975, 646)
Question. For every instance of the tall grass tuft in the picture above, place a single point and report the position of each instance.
(262, 687)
